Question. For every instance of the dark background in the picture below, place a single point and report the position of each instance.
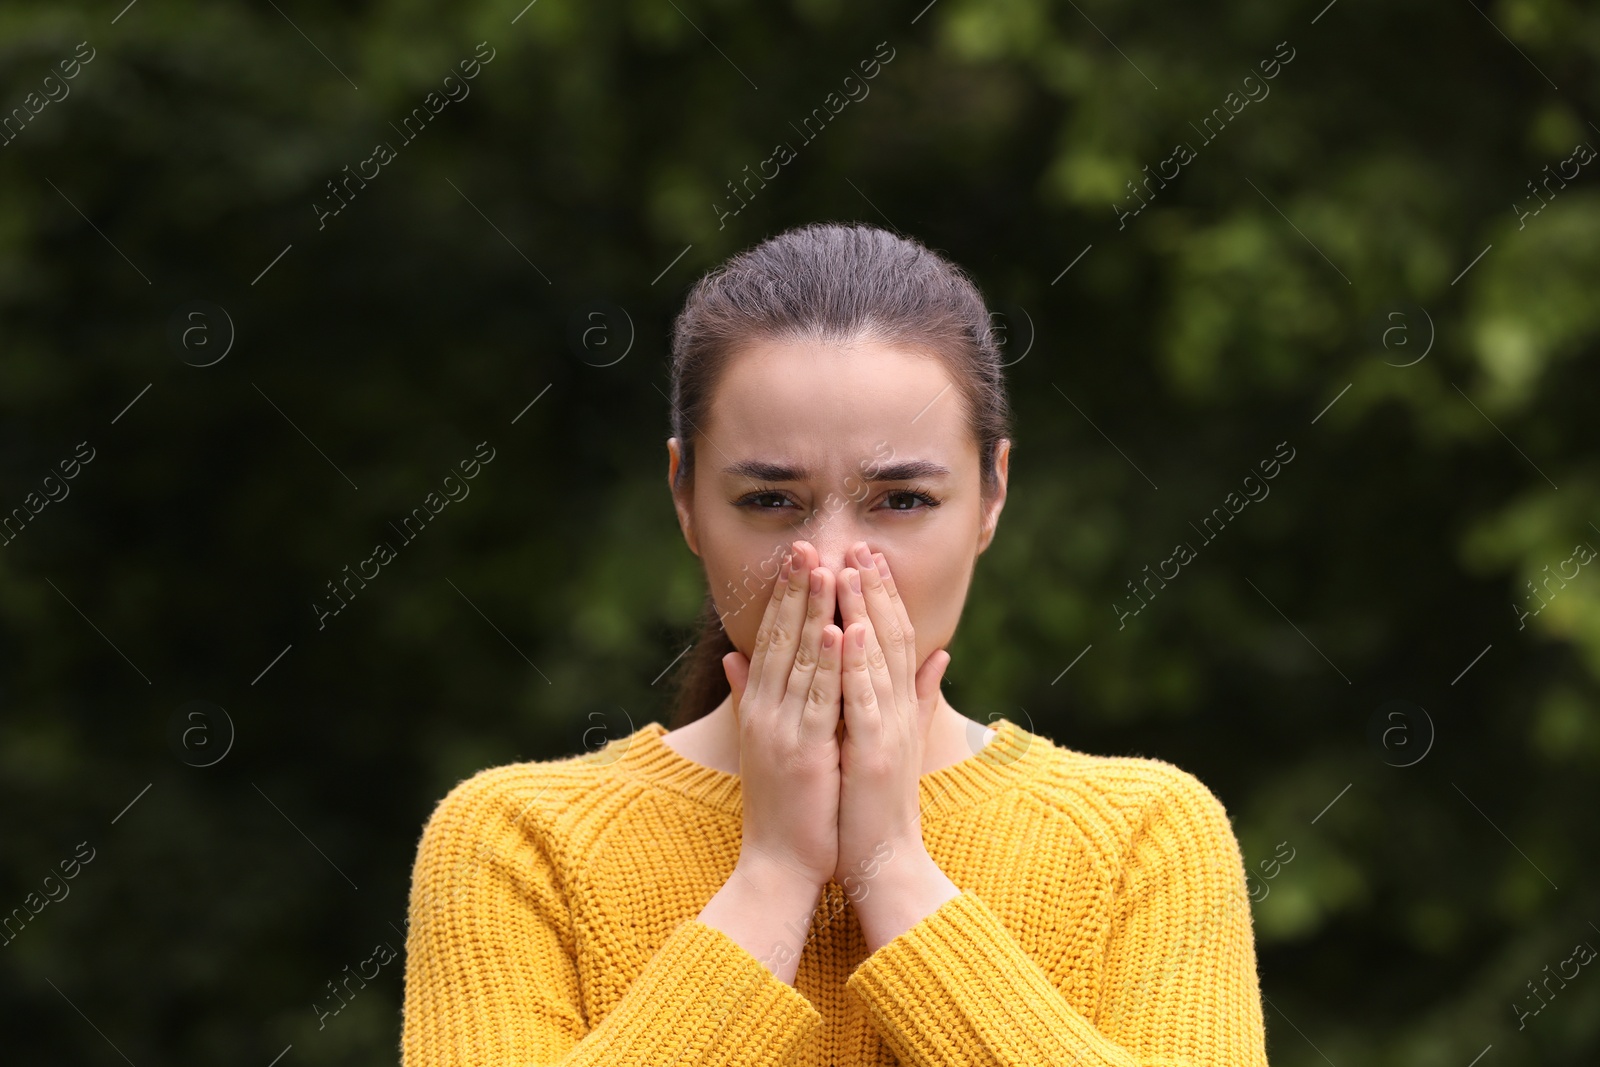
(1344, 666)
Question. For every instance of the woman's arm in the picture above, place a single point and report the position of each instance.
(1178, 980)
(491, 978)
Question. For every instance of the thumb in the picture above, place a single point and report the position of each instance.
(928, 680)
(737, 668)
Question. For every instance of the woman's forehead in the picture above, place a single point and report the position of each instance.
(819, 404)
(881, 464)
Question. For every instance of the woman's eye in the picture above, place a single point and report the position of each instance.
(755, 499)
(910, 498)
(894, 500)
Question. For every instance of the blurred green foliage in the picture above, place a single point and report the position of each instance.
(1256, 289)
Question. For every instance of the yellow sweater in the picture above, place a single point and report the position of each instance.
(1103, 921)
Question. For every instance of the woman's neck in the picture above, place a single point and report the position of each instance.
(713, 739)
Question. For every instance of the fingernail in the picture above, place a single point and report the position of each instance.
(863, 556)
(855, 580)
(827, 639)
(816, 582)
(861, 637)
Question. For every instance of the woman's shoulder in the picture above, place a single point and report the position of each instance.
(517, 793)
(1132, 790)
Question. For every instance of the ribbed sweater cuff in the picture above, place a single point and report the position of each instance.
(957, 988)
(703, 999)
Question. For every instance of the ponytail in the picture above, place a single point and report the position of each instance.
(700, 682)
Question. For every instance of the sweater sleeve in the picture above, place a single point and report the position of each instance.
(1178, 988)
(491, 978)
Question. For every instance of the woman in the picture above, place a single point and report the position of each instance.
(824, 862)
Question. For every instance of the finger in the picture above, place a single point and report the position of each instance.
(758, 654)
(899, 641)
(819, 613)
(852, 603)
(783, 634)
(863, 720)
(879, 669)
(822, 714)
(903, 611)
(892, 702)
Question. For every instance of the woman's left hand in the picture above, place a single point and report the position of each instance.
(888, 707)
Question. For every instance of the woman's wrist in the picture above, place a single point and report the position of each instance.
(784, 883)
(767, 910)
(907, 890)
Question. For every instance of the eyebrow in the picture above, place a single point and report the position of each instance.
(904, 471)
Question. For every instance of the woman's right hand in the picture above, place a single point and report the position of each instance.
(786, 701)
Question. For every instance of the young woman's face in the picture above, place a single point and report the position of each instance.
(836, 446)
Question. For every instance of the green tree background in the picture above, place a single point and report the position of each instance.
(1353, 266)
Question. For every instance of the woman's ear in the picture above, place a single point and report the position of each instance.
(991, 515)
(680, 498)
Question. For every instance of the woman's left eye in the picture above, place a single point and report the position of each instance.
(912, 495)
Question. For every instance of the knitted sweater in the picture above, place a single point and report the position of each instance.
(1103, 921)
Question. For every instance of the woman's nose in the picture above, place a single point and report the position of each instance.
(836, 552)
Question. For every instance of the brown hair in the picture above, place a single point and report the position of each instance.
(834, 283)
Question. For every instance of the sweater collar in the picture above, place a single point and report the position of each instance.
(1010, 757)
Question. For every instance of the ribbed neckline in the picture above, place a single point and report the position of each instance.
(1010, 757)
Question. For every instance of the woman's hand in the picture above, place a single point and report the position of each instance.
(786, 700)
(888, 707)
